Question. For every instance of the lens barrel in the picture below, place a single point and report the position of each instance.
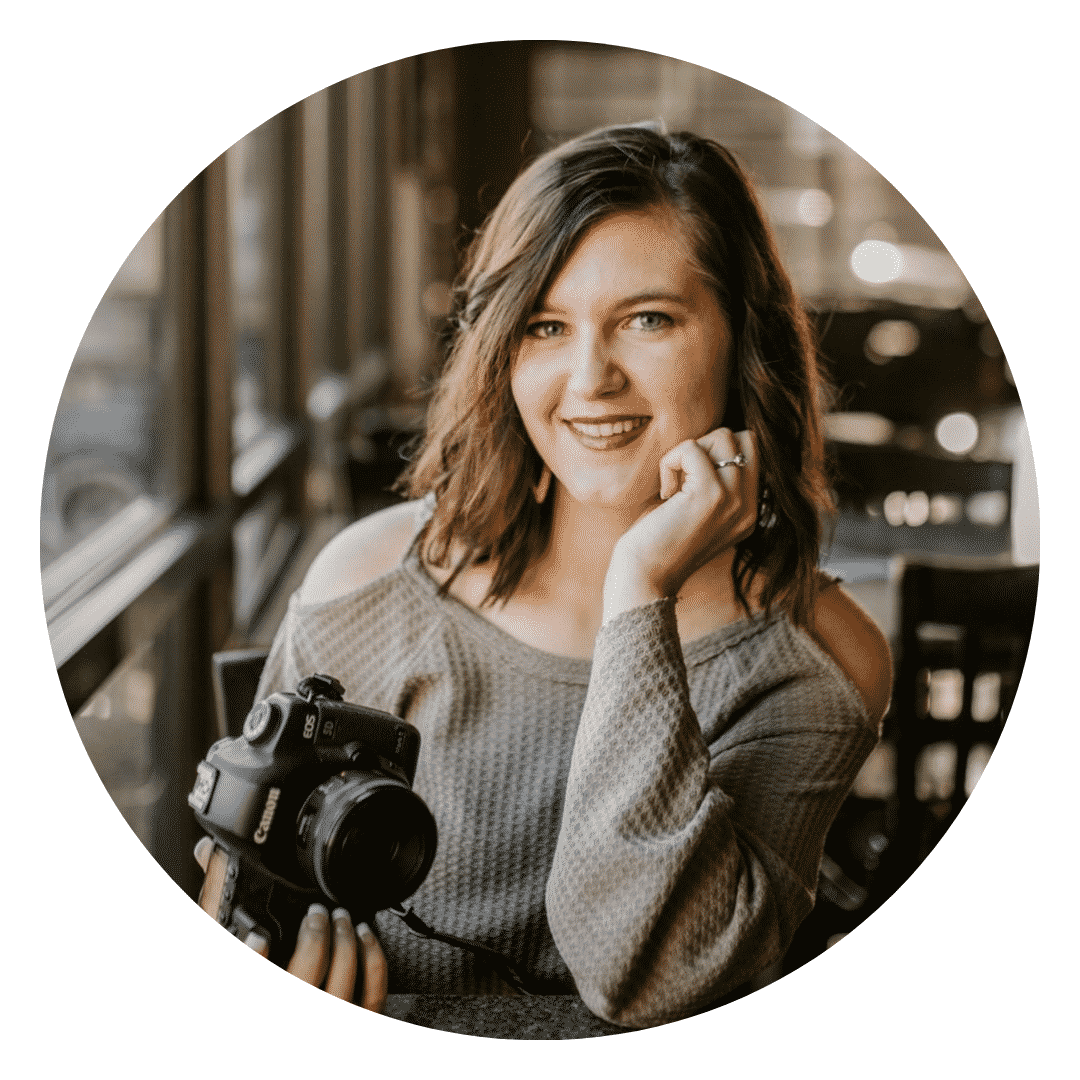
(367, 840)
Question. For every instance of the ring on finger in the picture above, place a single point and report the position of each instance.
(739, 460)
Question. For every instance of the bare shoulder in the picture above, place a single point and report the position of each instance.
(848, 634)
(360, 553)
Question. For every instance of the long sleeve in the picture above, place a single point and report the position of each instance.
(683, 868)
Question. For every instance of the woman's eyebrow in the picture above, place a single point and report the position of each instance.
(646, 296)
(652, 296)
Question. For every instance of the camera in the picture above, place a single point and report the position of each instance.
(313, 802)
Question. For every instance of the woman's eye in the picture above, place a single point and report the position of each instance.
(544, 329)
(650, 320)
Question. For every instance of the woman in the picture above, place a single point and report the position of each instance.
(640, 703)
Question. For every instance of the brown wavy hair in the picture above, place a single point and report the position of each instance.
(475, 454)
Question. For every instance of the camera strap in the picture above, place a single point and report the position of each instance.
(502, 965)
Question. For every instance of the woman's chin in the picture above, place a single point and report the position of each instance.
(629, 500)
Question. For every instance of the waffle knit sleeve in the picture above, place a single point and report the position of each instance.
(681, 869)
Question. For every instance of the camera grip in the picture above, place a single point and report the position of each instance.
(213, 886)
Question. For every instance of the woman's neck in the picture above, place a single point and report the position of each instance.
(558, 605)
(573, 567)
(580, 545)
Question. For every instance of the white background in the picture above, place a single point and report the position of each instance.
(110, 108)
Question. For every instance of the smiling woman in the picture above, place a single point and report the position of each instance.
(599, 608)
(627, 358)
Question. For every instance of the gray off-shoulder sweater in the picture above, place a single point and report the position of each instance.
(645, 828)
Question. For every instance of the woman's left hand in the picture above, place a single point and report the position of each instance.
(328, 953)
(704, 510)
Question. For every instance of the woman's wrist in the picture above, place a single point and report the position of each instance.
(626, 587)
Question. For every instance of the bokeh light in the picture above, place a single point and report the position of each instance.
(877, 261)
(987, 508)
(890, 338)
(957, 432)
(814, 208)
(946, 509)
(893, 507)
(865, 428)
(916, 509)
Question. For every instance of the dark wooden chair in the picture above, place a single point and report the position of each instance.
(962, 641)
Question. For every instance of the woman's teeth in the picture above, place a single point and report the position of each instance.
(601, 431)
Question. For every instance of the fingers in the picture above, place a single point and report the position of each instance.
(686, 468)
(375, 969)
(256, 941)
(215, 864)
(202, 852)
(315, 959)
(746, 440)
(311, 959)
(733, 456)
(341, 979)
(705, 464)
(724, 446)
(326, 946)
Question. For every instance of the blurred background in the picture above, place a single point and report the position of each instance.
(248, 380)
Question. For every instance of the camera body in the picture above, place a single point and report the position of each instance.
(313, 802)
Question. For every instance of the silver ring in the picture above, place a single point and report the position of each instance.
(739, 460)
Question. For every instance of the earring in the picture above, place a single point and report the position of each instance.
(540, 488)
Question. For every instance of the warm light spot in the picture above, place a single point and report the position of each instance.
(894, 505)
(890, 338)
(935, 771)
(957, 432)
(946, 509)
(916, 508)
(326, 397)
(865, 428)
(810, 207)
(986, 696)
(814, 207)
(977, 760)
(946, 693)
(877, 261)
(900, 508)
(988, 508)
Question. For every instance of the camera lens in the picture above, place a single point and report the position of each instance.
(372, 841)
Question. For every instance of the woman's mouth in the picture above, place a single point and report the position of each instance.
(607, 433)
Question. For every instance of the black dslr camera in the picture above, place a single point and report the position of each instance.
(313, 802)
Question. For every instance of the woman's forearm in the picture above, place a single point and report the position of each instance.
(672, 881)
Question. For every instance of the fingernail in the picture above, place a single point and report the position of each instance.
(340, 913)
(363, 930)
(317, 911)
(202, 851)
(256, 941)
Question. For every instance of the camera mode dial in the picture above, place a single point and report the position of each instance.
(258, 726)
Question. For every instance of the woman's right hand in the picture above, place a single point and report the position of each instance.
(328, 951)
(702, 512)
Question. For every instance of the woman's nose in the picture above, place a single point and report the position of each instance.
(594, 371)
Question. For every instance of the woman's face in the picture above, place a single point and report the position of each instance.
(627, 356)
